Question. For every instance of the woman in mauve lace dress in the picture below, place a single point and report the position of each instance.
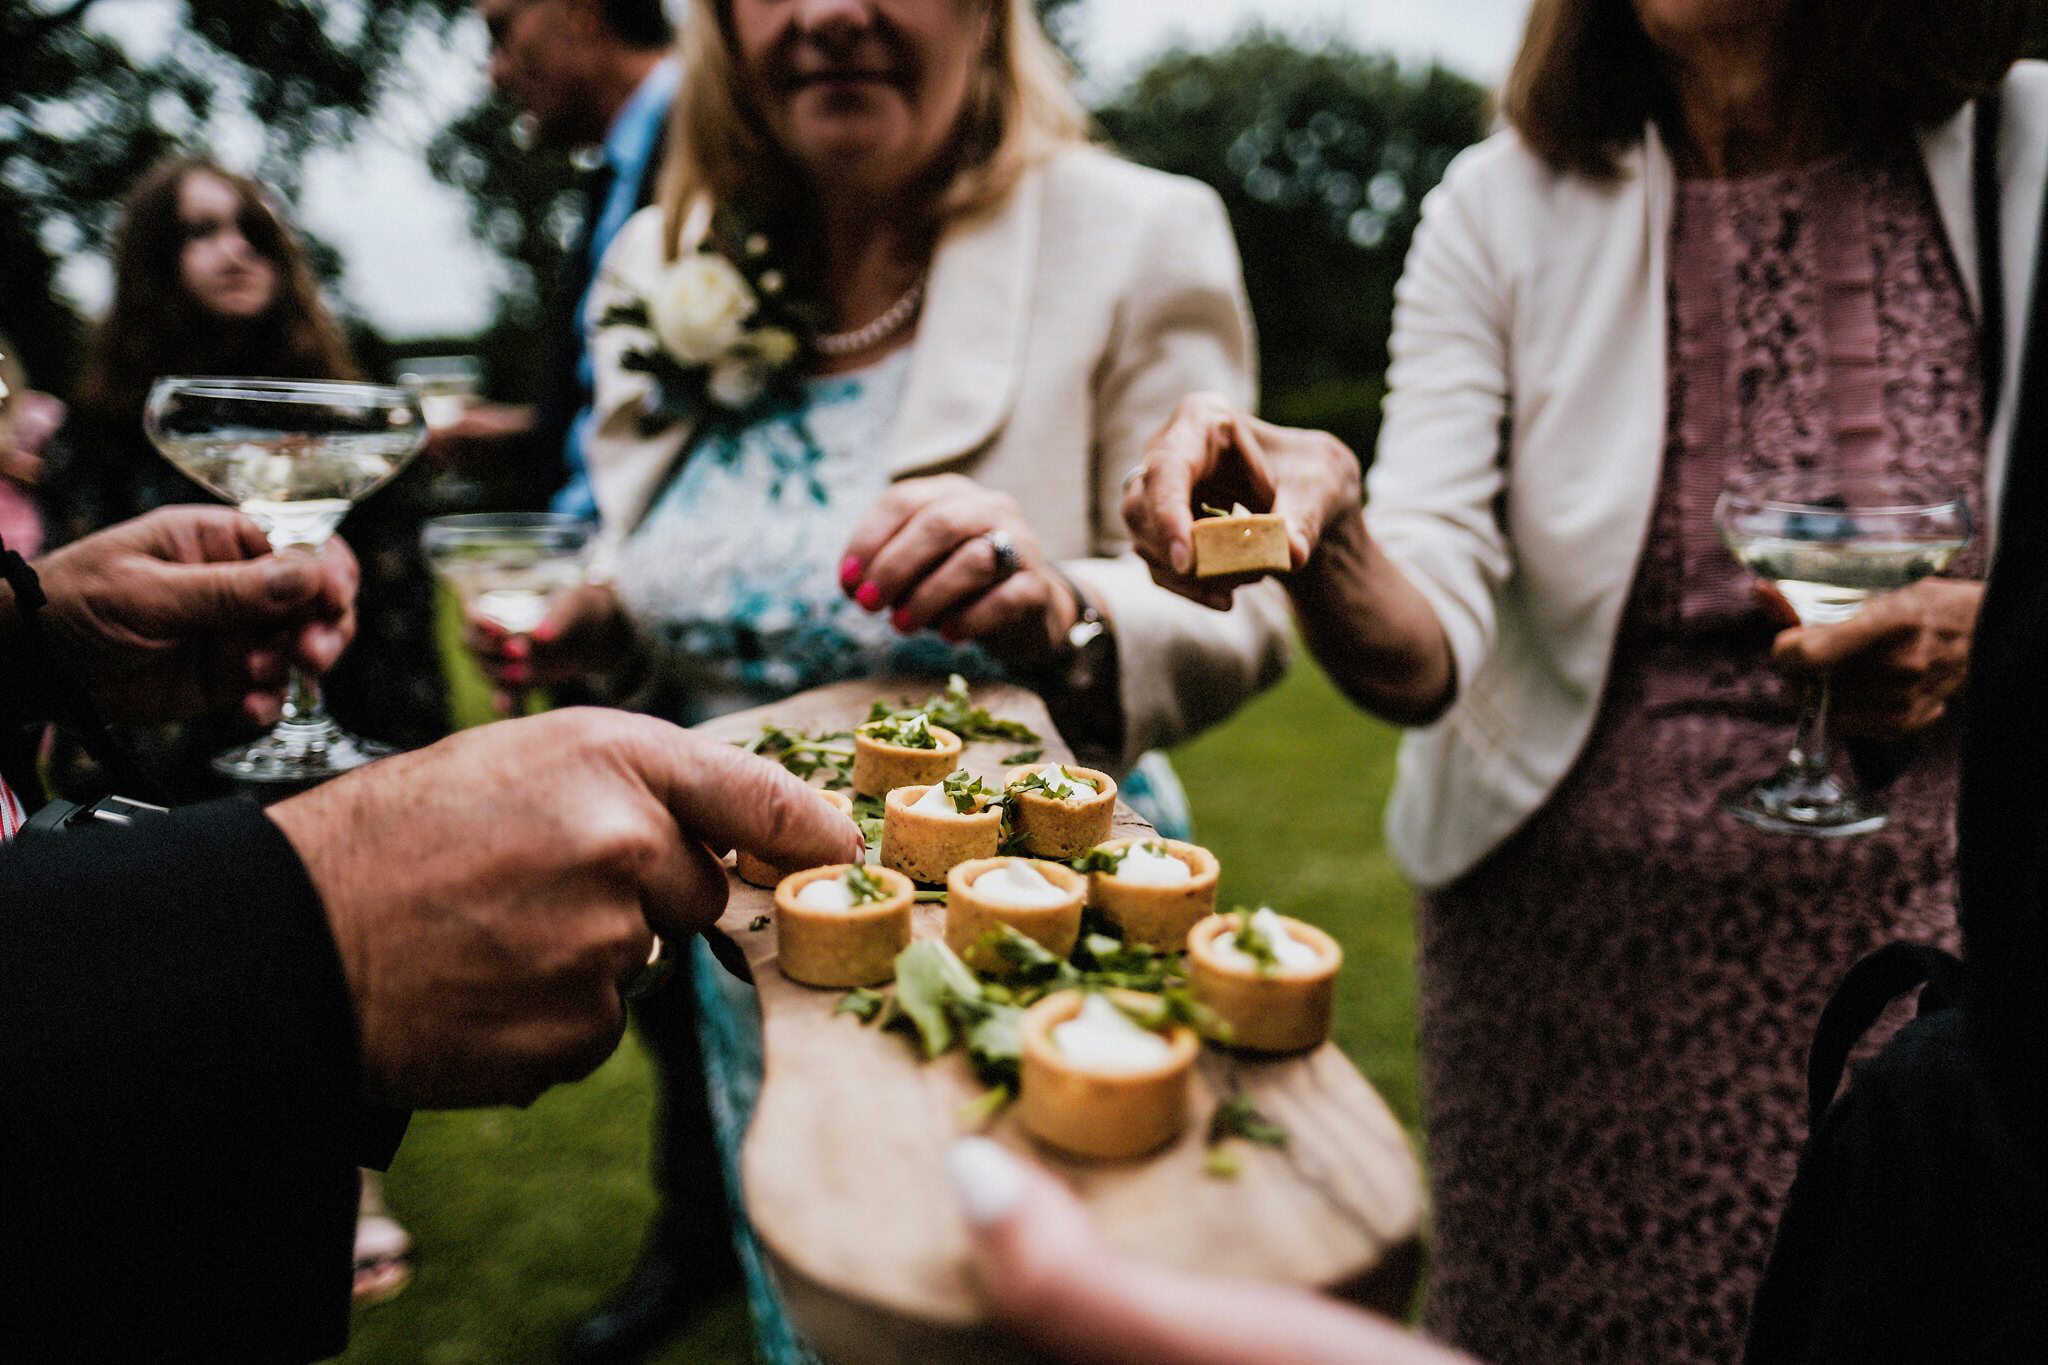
(1718, 241)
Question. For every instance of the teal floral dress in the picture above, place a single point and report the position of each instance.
(735, 570)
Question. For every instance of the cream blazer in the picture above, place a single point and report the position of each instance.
(1059, 330)
(1518, 461)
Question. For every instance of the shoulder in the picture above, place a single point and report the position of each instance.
(1099, 176)
(1503, 176)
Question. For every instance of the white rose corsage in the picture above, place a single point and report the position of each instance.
(726, 328)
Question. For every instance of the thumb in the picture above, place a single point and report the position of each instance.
(240, 597)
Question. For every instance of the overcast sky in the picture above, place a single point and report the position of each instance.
(414, 269)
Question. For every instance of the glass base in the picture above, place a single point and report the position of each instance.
(299, 754)
(1796, 801)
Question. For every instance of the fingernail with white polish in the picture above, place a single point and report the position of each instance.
(989, 1181)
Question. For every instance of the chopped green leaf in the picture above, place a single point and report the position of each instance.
(804, 754)
(913, 731)
(1235, 1117)
(1211, 510)
(1101, 858)
(1252, 942)
(758, 923)
(862, 1003)
(1024, 756)
(1018, 959)
(1221, 1163)
(929, 978)
(864, 886)
(995, 1041)
(978, 1111)
(967, 792)
(867, 813)
(955, 711)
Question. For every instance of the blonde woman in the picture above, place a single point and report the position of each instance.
(869, 379)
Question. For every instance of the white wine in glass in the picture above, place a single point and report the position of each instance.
(509, 568)
(1828, 542)
(294, 455)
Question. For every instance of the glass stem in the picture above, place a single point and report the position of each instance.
(302, 703)
(1810, 741)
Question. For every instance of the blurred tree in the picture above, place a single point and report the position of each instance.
(82, 115)
(1322, 157)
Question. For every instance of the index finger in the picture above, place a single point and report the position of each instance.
(1822, 648)
(1160, 512)
(897, 505)
(728, 798)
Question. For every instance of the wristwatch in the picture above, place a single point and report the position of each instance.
(1088, 639)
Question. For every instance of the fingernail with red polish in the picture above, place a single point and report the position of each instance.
(545, 633)
(849, 572)
(900, 618)
(516, 648)
(514, 673)
(869, 596)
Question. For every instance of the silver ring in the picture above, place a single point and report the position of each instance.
(1137, 475)
(651, 977)
(1008, 561)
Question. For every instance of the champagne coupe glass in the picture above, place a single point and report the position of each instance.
(1828, 541)
(294, 455)
(448, 385)
(509, 568)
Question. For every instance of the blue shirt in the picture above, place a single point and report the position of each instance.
(628, 145)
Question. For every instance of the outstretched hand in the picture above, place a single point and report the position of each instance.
(186, 610)
(490, 895)
(1211, 452)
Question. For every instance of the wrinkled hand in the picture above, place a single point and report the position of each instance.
(186, 610)
(586, 633)
(922, 554)
(490, 894)
(1212, 452)
(1892, 668)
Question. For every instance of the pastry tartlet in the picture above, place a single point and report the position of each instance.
(758, 872)
(1060, 826)
(881, 763)
(1270, 1005)
(1154, 911)
(975, 906)
(835, 944)
(1241, 542)
(925, 838)
(1076, 1103)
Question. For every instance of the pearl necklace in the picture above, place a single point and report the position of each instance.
(893, 319)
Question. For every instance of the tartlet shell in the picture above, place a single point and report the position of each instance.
(925, 847)
(1052, 828)
(1158, 916)
(879, 768)
(841, 948)
(1090, 1114)
(968, 916)
(1253, 543)
(1286, 1011)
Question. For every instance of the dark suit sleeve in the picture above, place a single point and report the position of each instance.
(178, 1082)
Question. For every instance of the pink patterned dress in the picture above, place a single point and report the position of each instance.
(1617, 1003)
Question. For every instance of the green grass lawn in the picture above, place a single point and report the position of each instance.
(524, 1219)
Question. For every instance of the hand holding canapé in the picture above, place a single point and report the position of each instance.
(491, 895)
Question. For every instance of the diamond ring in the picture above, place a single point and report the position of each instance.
(1007, 560)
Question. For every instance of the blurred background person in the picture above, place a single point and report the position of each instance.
(924, 479)
(28, 418)
(209, 280)
(596, 76)
(1718, 240)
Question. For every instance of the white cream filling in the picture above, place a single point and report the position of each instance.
(826, 893)
(1102, 1038)
(1142, 867)
(1238, 509)
(1058, 783)
(1288, 951)
(1018, 884)
(934, 802)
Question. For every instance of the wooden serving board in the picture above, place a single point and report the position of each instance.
(844, 1166)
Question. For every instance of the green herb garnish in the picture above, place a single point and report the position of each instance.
(758, 923)
(1066, 787)
(1101, 858)
(934, 896)
(913, 731)
(1235, 1117)
(1252, 942)
(930, 984)
(1022, 964)
(867, 813)
(864, 886)
(1025, 756)
(804, 754)
(1210, 510)
(955, 711)
(862, 1003)
(967, 792)
(985, 1106)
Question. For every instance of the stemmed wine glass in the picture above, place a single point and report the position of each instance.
(1828, 541)
(294, 455)
(509, 568)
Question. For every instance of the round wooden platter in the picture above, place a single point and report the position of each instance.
(844, 1166)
